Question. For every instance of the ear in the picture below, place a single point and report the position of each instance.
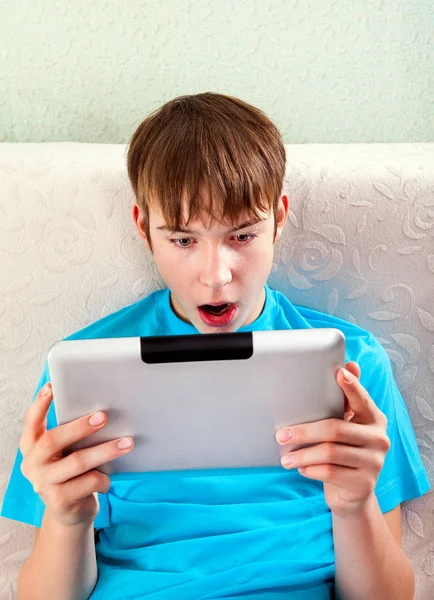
(282, 215)
(139, 221)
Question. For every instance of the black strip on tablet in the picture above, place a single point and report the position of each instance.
(196, 347)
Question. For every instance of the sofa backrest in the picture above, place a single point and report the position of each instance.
(359, 244)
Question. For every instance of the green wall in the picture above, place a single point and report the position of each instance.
(324, 71)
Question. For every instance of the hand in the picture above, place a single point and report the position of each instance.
(349, 454)
(66, 484)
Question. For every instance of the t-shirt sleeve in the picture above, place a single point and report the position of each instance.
(403, 475)
(21, 502)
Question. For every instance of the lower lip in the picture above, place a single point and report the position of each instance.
(218, 321)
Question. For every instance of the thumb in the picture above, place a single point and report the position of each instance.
(353, 368)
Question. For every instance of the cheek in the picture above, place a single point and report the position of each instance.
(167, 264)
(257, 261)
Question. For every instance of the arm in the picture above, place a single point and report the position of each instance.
(63, 565)
(370, 562)
(68, 574)
(347, 456)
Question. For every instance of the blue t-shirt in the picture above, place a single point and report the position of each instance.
(261, 533)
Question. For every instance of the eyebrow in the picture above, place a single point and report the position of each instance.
(191, 232)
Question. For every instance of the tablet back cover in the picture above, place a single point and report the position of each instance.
(199, 401)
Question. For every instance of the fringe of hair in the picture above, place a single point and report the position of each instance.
(211, 141)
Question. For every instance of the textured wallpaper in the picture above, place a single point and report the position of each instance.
(324, 71)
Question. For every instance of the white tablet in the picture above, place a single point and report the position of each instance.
(199, 401)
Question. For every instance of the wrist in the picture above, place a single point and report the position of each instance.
(360, 510)
(65, 526)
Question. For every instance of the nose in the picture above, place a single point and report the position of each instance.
(215, 270)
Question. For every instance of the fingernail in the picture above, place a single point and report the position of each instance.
(46, 390)
(97, 418)
(349, 378)
(284, 435)
(287, 461)
(124, 443)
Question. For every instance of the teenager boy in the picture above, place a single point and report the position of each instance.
(207, 171)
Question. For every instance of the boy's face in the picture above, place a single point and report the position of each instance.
(209, 263)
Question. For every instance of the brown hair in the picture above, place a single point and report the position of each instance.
(212, 140)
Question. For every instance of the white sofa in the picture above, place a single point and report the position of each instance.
(359, 244)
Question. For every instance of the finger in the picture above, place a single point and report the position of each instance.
(343, 477)
(66, 496)
(81, 461)
(35, 419)
(354, 368)
(55, 440)
(80, 487)
(328, 430)
(359, 401)
(336, 454)
(348, 413)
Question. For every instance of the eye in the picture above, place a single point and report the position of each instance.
(249, 236)
(183, 242)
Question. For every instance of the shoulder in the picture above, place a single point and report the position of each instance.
(362, 346)
(130, 320)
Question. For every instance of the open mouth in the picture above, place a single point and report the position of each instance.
(216, 310)
(219, 315)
